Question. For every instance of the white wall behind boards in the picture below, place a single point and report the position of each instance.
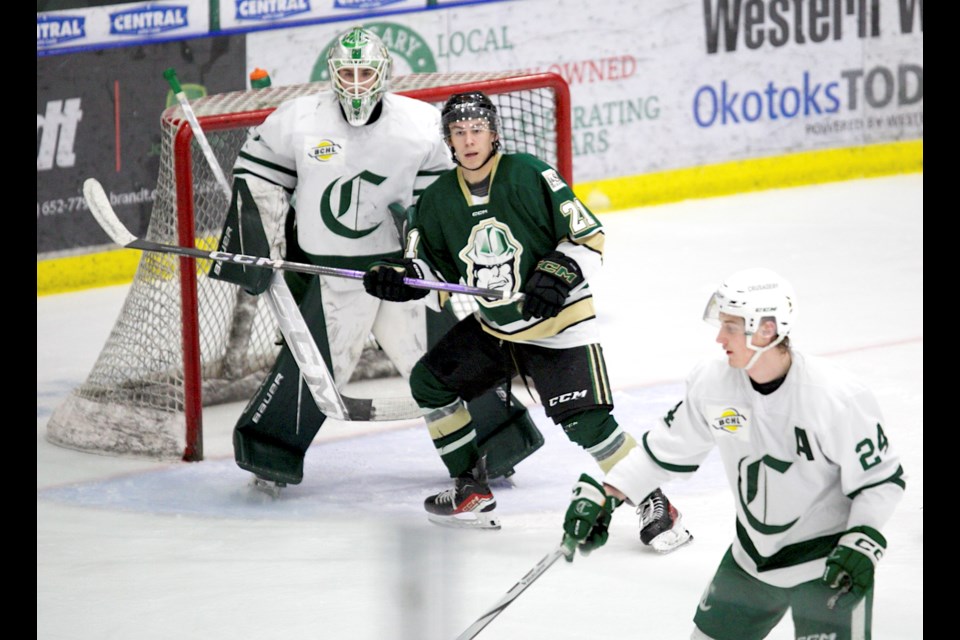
(659, 86)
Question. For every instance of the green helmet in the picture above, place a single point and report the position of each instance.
(359, 65)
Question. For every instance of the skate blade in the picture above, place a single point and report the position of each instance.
(670, 541)
(271, 489)
(466, 521)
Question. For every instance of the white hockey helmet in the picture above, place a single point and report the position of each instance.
(360, 66)
(755, 295)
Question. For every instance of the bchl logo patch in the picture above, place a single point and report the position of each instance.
(270, 9)
(149, 19)
(730, 420)
(553, 180)
(324, 150)
(54, 30)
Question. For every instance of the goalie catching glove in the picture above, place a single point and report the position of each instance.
(552, 281)
(384, 279)
(851, 564)
(587, 520)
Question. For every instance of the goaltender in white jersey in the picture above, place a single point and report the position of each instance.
(807, 457)
(343, 179)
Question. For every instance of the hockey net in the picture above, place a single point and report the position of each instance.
(183, 341)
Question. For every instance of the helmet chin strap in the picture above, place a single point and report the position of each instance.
(759, 351)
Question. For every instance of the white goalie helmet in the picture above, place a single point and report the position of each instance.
(755, 294)
(360, 66)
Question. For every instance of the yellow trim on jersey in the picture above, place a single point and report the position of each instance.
(465, 190)
(594, 242)
(571, 315)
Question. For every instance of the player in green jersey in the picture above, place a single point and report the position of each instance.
(510, 222)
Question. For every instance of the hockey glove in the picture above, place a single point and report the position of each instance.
(851, 564)
(384, 279)
(546, 291)
(587, 520)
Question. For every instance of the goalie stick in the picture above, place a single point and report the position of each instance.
(284, 308)
(541, 567)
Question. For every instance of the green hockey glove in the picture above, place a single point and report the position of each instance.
(384, 279)
(851, 564)
(547, 289)
(587, 520)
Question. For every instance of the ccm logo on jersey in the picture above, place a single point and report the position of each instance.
(567, 397)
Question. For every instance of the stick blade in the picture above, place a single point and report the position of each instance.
(103, 211)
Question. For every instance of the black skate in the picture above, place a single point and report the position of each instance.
(467, 504)
(661, 525)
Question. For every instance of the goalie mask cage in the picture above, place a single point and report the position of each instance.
(183, 341)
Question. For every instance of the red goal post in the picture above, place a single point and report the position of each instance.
(183, 341)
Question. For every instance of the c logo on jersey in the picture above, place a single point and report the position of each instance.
(347, 191)
(492, 256)
(729, 420)
(761, 483)
(324, 150)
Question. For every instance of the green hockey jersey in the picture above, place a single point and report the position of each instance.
(496, 241)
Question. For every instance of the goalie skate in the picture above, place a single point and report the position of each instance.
(468, 504)
(661, 525)
(268, 487)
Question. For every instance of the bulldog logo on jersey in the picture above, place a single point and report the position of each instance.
(728, 419)
(492, 256)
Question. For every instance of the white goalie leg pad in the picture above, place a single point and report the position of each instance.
(401, 331)
(349, 312)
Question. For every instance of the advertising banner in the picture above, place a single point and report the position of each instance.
(98, 115)
(660, 86)
(247, 14)
(121, 24)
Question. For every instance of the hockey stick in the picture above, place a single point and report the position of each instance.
(289, 319)
(545, 563)
(103, 212)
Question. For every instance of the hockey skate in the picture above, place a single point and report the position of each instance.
(661, 525)
(268, 487)
(468, 504)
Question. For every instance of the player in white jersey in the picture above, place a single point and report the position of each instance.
(808, 460)
(315, 182)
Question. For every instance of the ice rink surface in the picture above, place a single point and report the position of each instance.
(137, 549)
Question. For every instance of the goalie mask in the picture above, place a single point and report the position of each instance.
(359, 66)
(470, 106)
(755, 295)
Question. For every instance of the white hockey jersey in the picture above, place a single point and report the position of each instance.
(805, 463)
(342, 178)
